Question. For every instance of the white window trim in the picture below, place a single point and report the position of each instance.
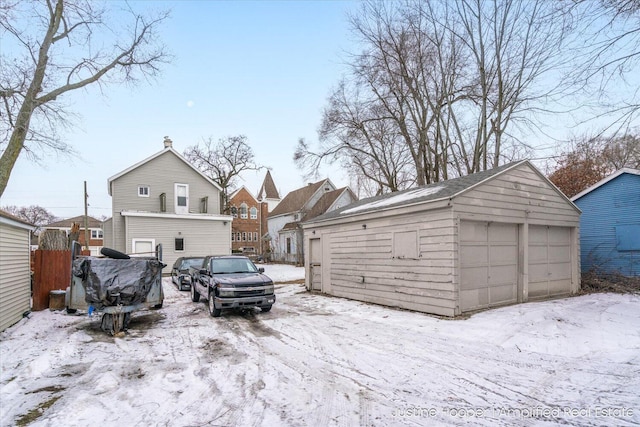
(180, 209)
(253, 215)
(148, 191)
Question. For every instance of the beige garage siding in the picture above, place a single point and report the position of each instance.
(488, 264)
(549, 261)
(15, 281)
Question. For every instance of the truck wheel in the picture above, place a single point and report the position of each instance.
(213, 311)
(265, 308)
(195, 296)
(71, 310)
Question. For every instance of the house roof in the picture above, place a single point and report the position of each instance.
(430, 193)
(605, 180)
(235, 193)
(268, 189)
(67, 223)
(168, 149)
(296, 199)
(325, 202)
(7, 218)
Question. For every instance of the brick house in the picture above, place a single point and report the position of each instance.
(246, 228)
(249, 227)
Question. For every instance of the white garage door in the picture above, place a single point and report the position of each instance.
(549, 261)
(488, 264)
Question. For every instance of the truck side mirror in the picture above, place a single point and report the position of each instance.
(261, 270)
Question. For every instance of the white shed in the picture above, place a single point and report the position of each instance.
(497, 237)
(15, 269)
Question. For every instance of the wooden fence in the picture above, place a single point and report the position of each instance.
(51, 271)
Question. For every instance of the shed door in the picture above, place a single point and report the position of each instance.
(316, 264)
(549, 261)
(488, 264)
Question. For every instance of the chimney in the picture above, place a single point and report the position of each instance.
(167, 142)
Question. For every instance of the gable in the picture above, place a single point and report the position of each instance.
(160, 159)
(296, 200)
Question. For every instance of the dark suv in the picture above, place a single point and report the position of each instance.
(180, 272)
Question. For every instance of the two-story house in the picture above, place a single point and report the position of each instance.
(165, 200)
(94, 227)
(246, 229)
(249, 229)
(300, 205)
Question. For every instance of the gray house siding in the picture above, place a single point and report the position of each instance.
(160, 174)
(15, 278)
(508, 238)
(202, 236)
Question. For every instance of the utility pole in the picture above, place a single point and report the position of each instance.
(86, 218)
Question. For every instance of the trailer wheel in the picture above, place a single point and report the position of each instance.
(71, 310)
(213, 311)
(195, 296)
(112, 253)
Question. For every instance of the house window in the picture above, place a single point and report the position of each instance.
(243, 211)
(143, 191)
(204, 204)
(244, 236)
(288, 245)
(96, 234)
(253, 212)
(238, 237)
(250, 235)
(234, 211)
(233, 237)
(255, 236)
(182, 198)
(163, 202)
(179, 244)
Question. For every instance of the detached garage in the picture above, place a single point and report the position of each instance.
(15, 269)
(497, 237)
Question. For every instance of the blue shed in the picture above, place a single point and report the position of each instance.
(610, 224)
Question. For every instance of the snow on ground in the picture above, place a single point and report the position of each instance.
(316, 360)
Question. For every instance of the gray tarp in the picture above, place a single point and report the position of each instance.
(109, 282)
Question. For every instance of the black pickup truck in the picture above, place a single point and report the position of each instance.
(232, 281)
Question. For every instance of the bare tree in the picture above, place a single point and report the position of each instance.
(223, 161)
(36, 215)
(623, 152)
(606, 60)
(452, 84)
(52, 47)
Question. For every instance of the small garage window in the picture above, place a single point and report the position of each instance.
(628, 237)
(179, 244)
(405, 244)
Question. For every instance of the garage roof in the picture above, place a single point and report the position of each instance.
(429, 193)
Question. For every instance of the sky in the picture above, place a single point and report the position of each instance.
(262, 69)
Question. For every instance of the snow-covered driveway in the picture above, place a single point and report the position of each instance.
(321, 361)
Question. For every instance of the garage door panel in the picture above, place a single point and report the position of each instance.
(538, 254)
(504, 254)
(474, 299)
(502, 294)
(489, 264)
(473, 231)
(474, 277)
(560, 254)
(474, 254)
(549, 261)
(560, 235)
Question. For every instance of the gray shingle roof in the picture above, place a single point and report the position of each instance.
(427, 193)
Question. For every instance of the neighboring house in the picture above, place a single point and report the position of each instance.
(95, 234)
(298, 206)
(15, 269)
(501, 236)
(165, 200)
(610, 224)
(247, 213)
